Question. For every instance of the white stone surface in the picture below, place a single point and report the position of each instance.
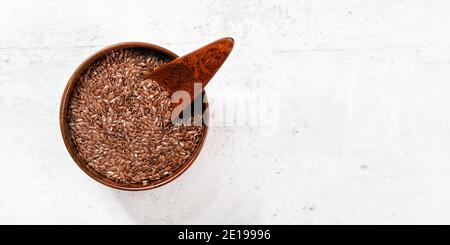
(363, 137)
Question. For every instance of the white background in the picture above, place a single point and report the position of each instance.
(363, 134)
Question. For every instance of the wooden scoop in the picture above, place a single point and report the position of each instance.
(196, 67)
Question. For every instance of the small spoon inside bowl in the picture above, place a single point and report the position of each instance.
(196, 67)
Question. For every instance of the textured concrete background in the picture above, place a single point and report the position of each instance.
(363, 137)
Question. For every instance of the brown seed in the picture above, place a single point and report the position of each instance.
(121, 125)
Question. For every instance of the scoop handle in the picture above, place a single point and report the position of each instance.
(198, 66)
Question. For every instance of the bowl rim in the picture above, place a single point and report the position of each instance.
(65, 132)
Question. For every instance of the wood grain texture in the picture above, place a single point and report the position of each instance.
(198, 66)
(65, 131)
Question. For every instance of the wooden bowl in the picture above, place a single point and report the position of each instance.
(64, 112)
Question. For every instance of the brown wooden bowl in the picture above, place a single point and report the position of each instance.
(64, 112)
